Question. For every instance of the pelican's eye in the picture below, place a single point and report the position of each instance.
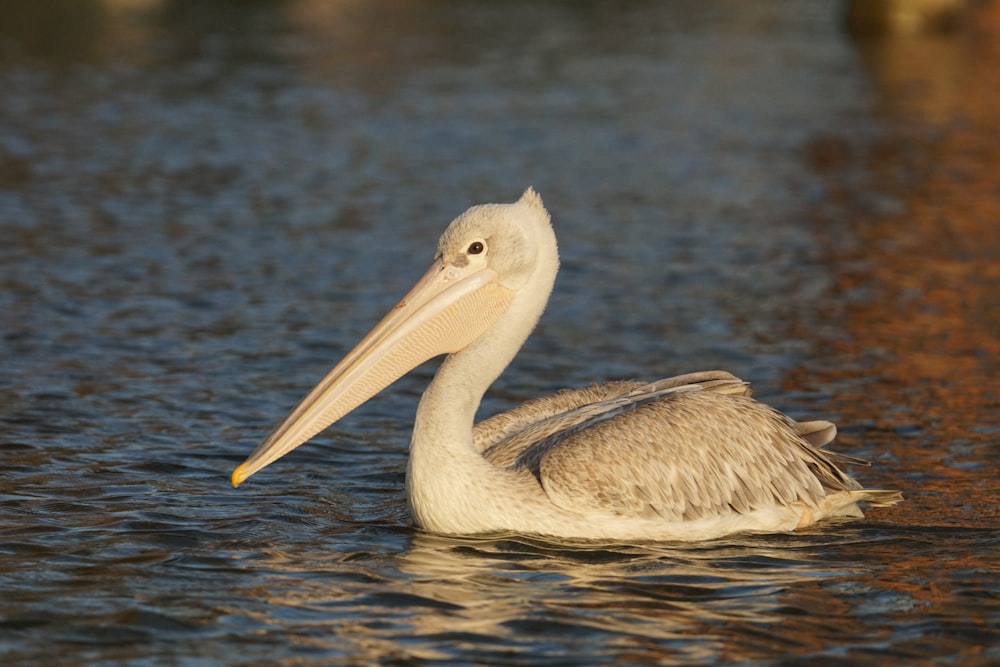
(475, 248)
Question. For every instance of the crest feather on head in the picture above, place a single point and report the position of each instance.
(533, 200)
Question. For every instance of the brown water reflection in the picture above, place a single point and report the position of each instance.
(912, 234)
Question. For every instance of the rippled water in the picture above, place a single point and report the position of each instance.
(204, 205)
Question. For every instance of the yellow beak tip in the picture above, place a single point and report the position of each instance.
(239, 475)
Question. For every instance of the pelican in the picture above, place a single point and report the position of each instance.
(691, 457)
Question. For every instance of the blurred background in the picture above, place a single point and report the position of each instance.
(203, 205)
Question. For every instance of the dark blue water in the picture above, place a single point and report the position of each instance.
(204, 205)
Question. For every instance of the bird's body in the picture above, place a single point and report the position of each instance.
(685, 458)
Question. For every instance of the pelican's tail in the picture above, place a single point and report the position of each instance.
(845, 504)
(878, 497)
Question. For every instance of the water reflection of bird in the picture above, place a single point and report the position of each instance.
(690, 457)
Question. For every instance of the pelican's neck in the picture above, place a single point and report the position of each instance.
(446, 476)
(448, 407)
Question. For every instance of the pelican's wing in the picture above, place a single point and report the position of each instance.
(506, 426)
(683, 455)
(541, 423)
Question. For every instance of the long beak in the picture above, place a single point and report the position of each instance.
(447, 309)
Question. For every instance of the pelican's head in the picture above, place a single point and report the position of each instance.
(507, 239)
(486, 258)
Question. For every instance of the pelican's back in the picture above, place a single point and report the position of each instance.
(682, 449)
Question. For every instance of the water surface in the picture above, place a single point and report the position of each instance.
(204, 205)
